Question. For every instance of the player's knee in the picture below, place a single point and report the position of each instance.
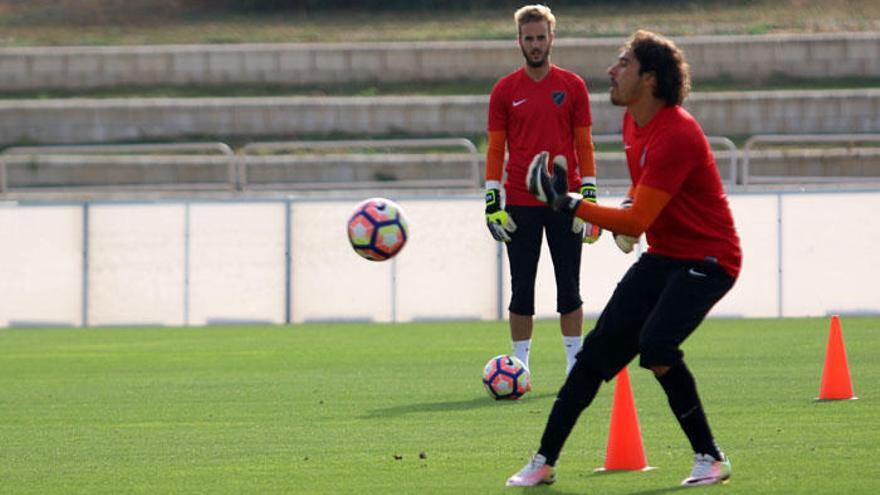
(569, 304)
(657, 357)
(522, 298)
(522, 305)
(659, 369)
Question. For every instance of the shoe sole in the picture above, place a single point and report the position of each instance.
(708, 481)
(548, 481)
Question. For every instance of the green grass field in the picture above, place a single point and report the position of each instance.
(370, 408)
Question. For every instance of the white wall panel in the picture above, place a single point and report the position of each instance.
(448, 267)
(237, 262)
(829, 253)
(756, 291)
(136, 264)
(139, 271)
(41, 265)
(330, 281)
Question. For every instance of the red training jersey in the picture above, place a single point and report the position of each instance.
(537, 116)
(671, 154)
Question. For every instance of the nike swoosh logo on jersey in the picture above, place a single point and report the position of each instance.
(517, 103)
(696, 273)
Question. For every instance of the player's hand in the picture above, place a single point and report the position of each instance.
(552, 190)
(623, 241)
(500, 223)
(590, 232)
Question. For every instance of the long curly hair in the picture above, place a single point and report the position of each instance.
(659, 55)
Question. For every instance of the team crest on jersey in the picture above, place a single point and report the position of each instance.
(558, 97)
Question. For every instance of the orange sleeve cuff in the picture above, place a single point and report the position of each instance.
(583, 146)
(647, 204)
(495, 155)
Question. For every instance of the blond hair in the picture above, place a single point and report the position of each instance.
(534, 13)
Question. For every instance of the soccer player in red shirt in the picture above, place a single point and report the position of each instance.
(693, 257)
(539, 107)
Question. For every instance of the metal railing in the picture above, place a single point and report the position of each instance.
(381, 155)
(125, 150)
(248, 160)
(749, 148)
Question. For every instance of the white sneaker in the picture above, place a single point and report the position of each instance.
(536, 472)
(708, 471)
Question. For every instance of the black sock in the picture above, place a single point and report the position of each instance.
(576, 394)
(681, 390)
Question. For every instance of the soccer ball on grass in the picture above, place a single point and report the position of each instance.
(506, 378)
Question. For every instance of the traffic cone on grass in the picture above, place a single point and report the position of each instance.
(836, 382)
(624, 451)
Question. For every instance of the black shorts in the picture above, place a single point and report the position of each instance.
(523, 252)
(655, 307)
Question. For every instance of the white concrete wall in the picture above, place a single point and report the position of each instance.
(236, 250)
(829, 253)
(135, 264)
(41, 265)
(755, 292)
(203, 262)
(736, 57)
(330, 281)
(443, 259)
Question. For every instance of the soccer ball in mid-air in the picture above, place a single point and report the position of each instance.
(377, 229)
(506, 377)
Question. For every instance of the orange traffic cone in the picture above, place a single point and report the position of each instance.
(836, 382)
(625, 451)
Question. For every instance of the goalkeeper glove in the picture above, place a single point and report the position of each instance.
(623, 241)
(591, 232)
(500, 223)
(552, 190)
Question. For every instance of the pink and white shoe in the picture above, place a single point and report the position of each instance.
(708, 471)
(536, 472)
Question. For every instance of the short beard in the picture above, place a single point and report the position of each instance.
(539, 63)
